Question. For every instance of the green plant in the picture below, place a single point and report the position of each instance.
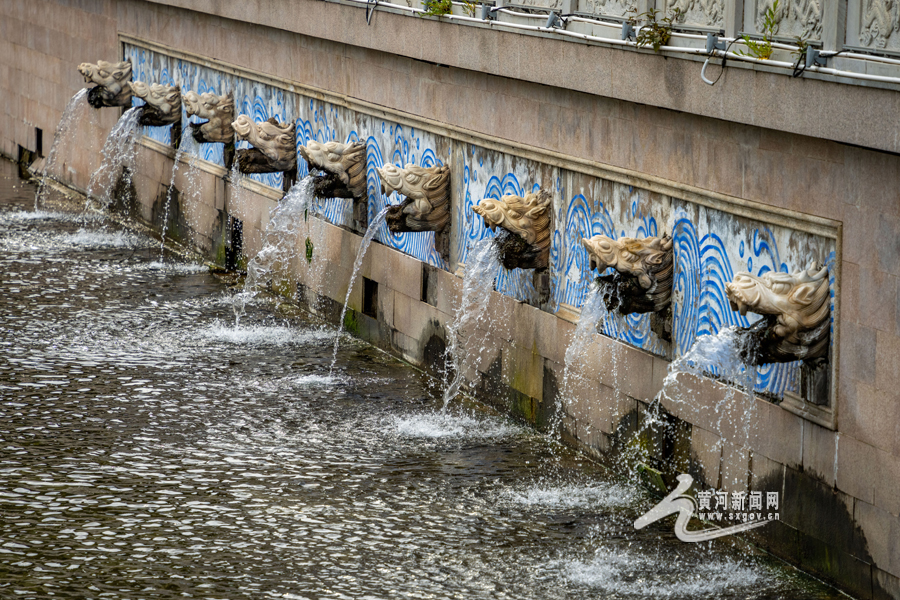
(656, 32)
(309, 250)
(437, 8)
(469, 7)
(762, 49)
(802, 44)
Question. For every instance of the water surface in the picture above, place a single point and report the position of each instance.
(151, 449)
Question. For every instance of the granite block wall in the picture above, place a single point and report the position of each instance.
(743, 194)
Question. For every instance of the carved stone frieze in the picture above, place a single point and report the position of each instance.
(608, 8)
(792, 17)
(880, 19)
(274, 145)
(344, 166)
(427, 191)
(111, 81)
(707, 13)
(163, 103)
(526, 222)
(797, 311)
(219, 112)
(644, 270)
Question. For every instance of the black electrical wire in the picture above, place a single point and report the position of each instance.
(724, 60)
(798, 70)
(371, 5)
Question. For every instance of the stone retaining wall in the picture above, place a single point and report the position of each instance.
(839, 473)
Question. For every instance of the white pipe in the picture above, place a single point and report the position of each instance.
(857, 55)
(674, 49)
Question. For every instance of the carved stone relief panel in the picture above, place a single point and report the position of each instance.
(556, 5)
(874, 24)
(702, 13)
(219, 112)
(792, 17)
(608, 8)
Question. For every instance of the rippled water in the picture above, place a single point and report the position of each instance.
(150, 449)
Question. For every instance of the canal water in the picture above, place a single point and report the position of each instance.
(150, 449)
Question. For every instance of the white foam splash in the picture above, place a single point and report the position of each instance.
(575, 496)
(314, 380)
(625, 572)
(46, 215)
(103, 239)
(177, 267)
(443, 426)
(260, 335)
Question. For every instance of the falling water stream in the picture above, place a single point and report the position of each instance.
(360, 255)
(152, 450)
(481, 271)
(119, 152)
(187, 145)
(593, 314)
(280, 245)
(718, 355)
(62, 140)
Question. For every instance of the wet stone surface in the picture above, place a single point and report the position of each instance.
(150, 449)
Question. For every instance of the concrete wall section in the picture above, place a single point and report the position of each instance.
(42, 44)
(822, 109)
(725, 188)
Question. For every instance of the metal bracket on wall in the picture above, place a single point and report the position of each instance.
(814, 58)
(714, 43)
(552, 20)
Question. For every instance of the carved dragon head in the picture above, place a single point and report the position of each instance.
(219, 112)
(527, 217)
(113, 77)
(209, 106)
(275, 140)
(334, 157)
(164, 98)
(800, 300)
(425, 186)
(633, 256)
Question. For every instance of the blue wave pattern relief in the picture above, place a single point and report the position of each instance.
(705, 261)
(479, 182)
(256, 100)
(584, 218)
(322, 122)
(703, 267)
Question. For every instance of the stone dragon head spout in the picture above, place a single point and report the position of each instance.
(219, 112)
(644, 270)
(164, 98)
(527, 220)
(274, 143)
(640, 257)
(344, 166)
(163, 103)
(799, 301)
(427, 191)
(111, 83)
(526, 217)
